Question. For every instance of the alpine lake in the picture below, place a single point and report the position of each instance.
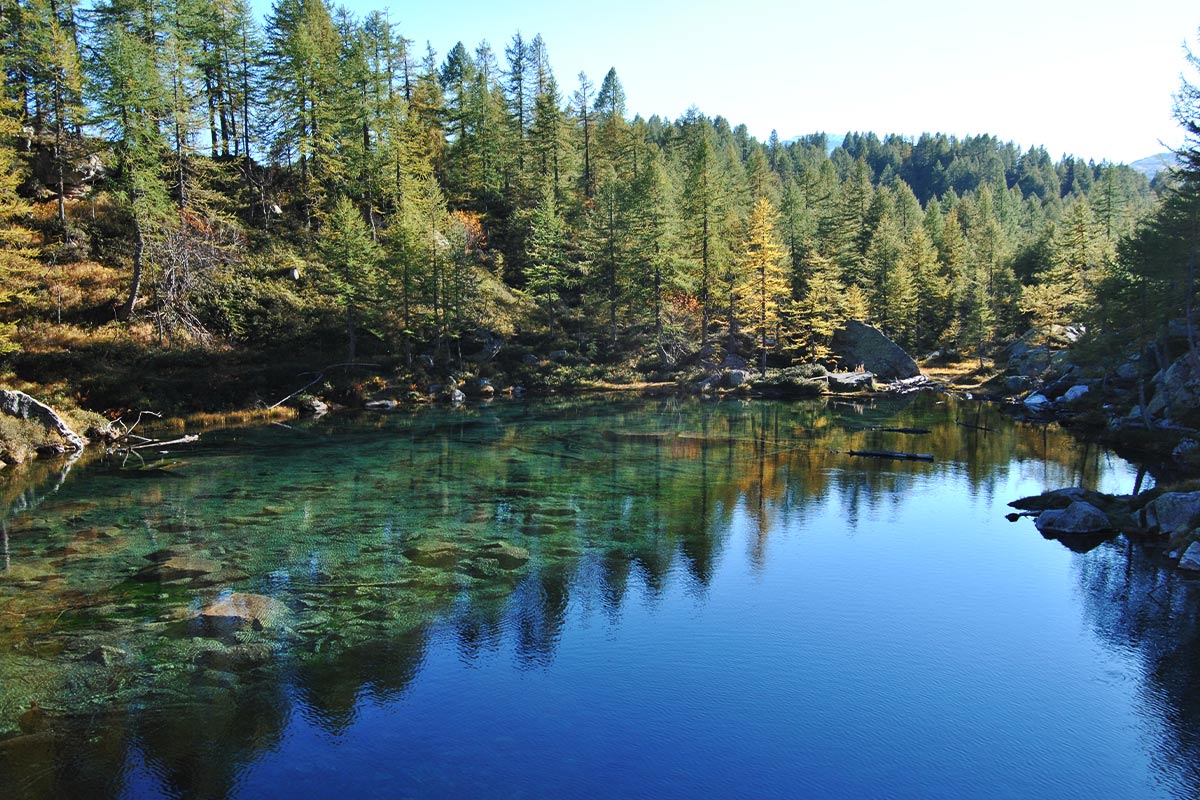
(590, 597)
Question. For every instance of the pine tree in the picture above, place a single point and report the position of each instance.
(132, 100)
(545, 252)
(304, 63)
(352, 256)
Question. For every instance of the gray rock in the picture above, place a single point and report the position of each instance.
(529, 359)
(380, 405)
(1177, 391)
(19, 404)
(1190, 560)
(311, 406)
(1079, 517)
(736, 377)
(559, 356)
(1058, 499)
(851, 381)
(1173, 512)
(859, 343)
(1186, 452)
(1018, 384)
(1037, 402)
(1128, 371)
(1075, 393)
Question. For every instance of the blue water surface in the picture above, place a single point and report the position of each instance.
(717, 602)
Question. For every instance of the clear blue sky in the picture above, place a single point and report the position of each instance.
(1089, 78)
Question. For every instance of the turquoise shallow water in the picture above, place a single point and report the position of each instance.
(581, 598)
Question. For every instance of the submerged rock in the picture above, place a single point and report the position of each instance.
(1078, 517)
(177, 568)
(506, 555)
(239, 609)
(106, 656)
(432, 553)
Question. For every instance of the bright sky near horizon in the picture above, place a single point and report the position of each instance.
(1093, 78)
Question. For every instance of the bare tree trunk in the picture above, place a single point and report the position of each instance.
(135, 286)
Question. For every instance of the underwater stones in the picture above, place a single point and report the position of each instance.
(432, 553)
(240, 609)
(505, 555)
(239, 656)
(1079, 517)
(106, 656)
(167, 553)
(176, 568)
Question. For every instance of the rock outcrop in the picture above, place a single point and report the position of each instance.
(857, 343)
(1177, 391)
(1170, 513)
(1080, 517)
(19, 404)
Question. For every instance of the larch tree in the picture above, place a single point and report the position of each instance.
(765, 287)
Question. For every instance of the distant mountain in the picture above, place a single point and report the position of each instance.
(1152, 165)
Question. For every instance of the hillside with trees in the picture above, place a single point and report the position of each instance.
(200, 208)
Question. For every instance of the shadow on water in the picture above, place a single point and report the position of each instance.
(382, 535)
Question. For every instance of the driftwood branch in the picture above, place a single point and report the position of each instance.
(898, 430)
(893, 455)
(193, 437)
(319, 378)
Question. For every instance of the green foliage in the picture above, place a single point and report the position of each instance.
(429, 203)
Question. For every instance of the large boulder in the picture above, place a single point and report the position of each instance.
(857, 343)
(1172, 512)
(1079, 517)
(19, 404)
(1191, 558)
(1177, 391)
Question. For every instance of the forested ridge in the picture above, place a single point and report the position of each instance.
(188, 189)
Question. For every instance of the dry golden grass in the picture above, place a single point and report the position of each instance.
(223, 419)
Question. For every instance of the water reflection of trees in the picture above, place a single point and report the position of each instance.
(602, 500)
(1139, 607)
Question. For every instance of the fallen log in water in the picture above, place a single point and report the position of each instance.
(898, 430)
(891, 454)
